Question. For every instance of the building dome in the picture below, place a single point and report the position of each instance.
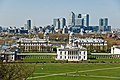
(46, 34)
(71, 33)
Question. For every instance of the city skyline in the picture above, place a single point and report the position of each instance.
(42, 12)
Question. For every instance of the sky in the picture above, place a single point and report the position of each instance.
(42, 12)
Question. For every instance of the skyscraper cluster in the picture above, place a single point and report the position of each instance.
(77, 23)
(103, 25)
(78, 20)
(80, 24)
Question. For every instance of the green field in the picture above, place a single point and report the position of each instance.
(76, 71)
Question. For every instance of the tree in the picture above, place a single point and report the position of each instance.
(15, 71)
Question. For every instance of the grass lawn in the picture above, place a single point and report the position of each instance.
(109, 60)
(74, 71)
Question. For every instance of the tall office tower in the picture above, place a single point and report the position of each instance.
(72, 19)
(25, 26)
(62, 23)
(79, 22)
(0, 29)
(103, 24)
(100, 22)
(29, 24)
(86, 19)
(101, 27)
(56, 23)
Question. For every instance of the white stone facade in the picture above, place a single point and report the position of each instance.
(71, 54)
(35, 44)
(115, 51)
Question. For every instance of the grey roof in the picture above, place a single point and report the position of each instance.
(73, 49)
(46, 33)
(117, 47)
(71, 33)
(5, 47)
(89, 40)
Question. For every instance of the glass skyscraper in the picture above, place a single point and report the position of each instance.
(86, 19)
(103, 25)
(62, 23)
(59, 23)
(103, 22)
(29, 24)
(80, 19)
(72, 19)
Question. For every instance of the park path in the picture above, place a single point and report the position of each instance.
(78, 71)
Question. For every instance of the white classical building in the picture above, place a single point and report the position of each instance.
(86, 41)
(95, 44)
(8, 56)
(71, 53)
(35, 44)
(115, 51)
(9, 53)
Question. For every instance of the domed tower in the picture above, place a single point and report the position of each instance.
(71, 37)
(46, 36)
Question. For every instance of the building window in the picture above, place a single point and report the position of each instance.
(60, 57)
(65, 53)
(79, 57)
(60, 53)
(76, 57)
(80, 53)
(84, 52)
(65, 57)
(84, 57)
(72, 57)
(12, 57)
(76, 52)
(72, 53)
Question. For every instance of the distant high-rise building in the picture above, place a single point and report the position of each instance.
(103, 22)
(0, 29)
(72, 19)
(79, 22)
(59, 23)
(56, 23)
(29, 24)
(86, 19)
(103, 25)
(62, 23)
(25, 26)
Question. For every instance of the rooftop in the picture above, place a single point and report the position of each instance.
(72, 48)
(89, 40)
